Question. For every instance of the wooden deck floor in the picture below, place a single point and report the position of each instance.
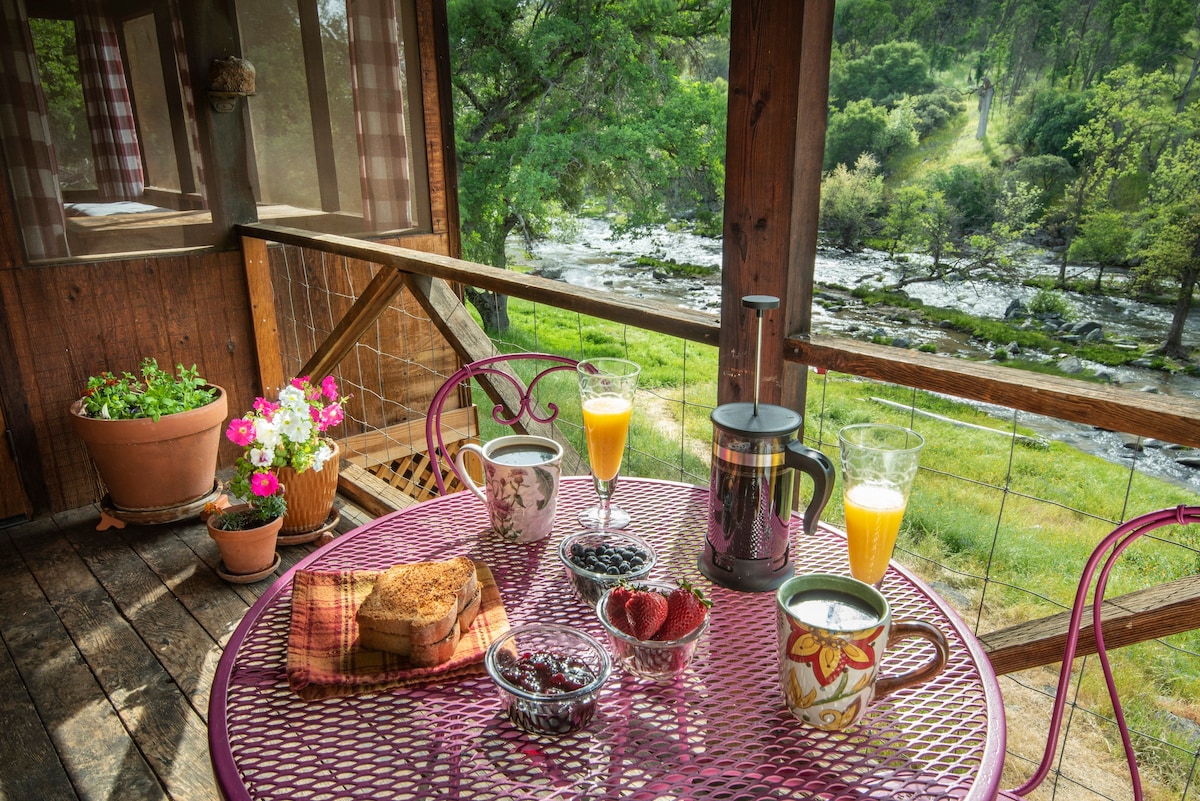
(110, 641)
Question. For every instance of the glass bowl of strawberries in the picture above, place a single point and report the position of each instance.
(654, 626)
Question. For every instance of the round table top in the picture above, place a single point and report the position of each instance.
(719, 731)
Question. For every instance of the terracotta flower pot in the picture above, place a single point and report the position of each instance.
(155, 465)
(309, 495)
(248, 551)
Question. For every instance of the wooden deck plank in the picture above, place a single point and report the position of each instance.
(175, 639)
(93, 744)
(163, 723)
(109, 642)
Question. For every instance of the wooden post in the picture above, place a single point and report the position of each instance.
(778, 89)
(224, 140)
(262, 310)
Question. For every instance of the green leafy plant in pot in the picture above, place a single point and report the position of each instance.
(153, 437)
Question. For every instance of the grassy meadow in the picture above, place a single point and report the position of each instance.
(1000, 522)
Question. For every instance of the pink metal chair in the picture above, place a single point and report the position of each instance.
(1103, 558)
(520, 398)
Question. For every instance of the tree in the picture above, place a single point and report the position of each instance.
(900, 224)
(1141, 154)
(887, 73)
(1103, 239)
(849, 200)
(853, 132)
(560, 102)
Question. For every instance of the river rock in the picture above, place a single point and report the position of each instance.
(1016, 309)
(1071, 365)
(1095, 335)
(1013, 348)
(900, 342)
(1086, 327)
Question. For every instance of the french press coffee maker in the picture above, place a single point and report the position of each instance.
(757, 461)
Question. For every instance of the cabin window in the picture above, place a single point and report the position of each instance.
(334, 129)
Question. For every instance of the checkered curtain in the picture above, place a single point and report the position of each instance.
(185, 81)
(109, 112)
(28, 148)
(379, 113)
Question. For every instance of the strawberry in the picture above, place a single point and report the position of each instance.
(686, 609)
(646, 610)
(615, 608)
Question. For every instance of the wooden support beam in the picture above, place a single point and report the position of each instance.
(1144, 615)
(366, 310)
(262, 310)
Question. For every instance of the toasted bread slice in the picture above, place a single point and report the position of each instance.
(418, 655)
(467, 616)
(415, 608)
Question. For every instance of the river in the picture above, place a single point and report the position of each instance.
(588, 256)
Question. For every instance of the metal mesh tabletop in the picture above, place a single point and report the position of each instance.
(721, 731)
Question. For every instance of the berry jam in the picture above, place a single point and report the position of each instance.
(547, 673)
(551, 675)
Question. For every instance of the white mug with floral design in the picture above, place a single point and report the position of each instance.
(833, 631)
(520, 487)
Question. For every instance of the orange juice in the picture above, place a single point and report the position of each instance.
(606, 424)
(873, 514)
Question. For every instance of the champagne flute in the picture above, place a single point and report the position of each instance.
(606, 388)
(879, 463)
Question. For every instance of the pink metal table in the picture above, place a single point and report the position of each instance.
(719, 732)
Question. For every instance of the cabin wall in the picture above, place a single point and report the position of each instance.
(66, 322)
(60, 323)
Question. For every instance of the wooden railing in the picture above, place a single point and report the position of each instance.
(1171, 419)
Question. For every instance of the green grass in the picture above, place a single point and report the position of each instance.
(1024, 515)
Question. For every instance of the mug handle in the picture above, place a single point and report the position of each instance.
(902, 630)
(817, 466)
(466, 474)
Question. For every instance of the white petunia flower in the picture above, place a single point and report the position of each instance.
(262, 457)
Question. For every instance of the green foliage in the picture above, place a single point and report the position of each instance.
(259, 513)
(1103, 238)
(972, 192)
(58, 68)
(849, 200)
(675, 269)
(155, 393)
(1047, 301)
(887, 73)
(934, 110)
(1046, 120)
(545, 119)
(853, 132)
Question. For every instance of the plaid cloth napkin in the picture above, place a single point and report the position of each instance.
(324, 657)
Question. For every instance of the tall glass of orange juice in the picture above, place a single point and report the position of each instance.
(879, 464)
(606, 390)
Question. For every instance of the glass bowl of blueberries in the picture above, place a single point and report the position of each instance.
(548, 676)
(597, 560)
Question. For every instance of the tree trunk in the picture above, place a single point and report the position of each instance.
(1173, 347)
(986, 92)
(493, 307)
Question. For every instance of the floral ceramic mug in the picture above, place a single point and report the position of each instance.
(833, 631)
(520, 487)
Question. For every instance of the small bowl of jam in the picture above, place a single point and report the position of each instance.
(548, 676)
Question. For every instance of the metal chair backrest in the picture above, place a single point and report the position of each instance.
(506, 414)
(1102, 559)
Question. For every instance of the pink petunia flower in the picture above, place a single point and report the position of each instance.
(329, 387)
(299, 382)
(264, 484)
(241, 431)
(331, 416)
(265, 407)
